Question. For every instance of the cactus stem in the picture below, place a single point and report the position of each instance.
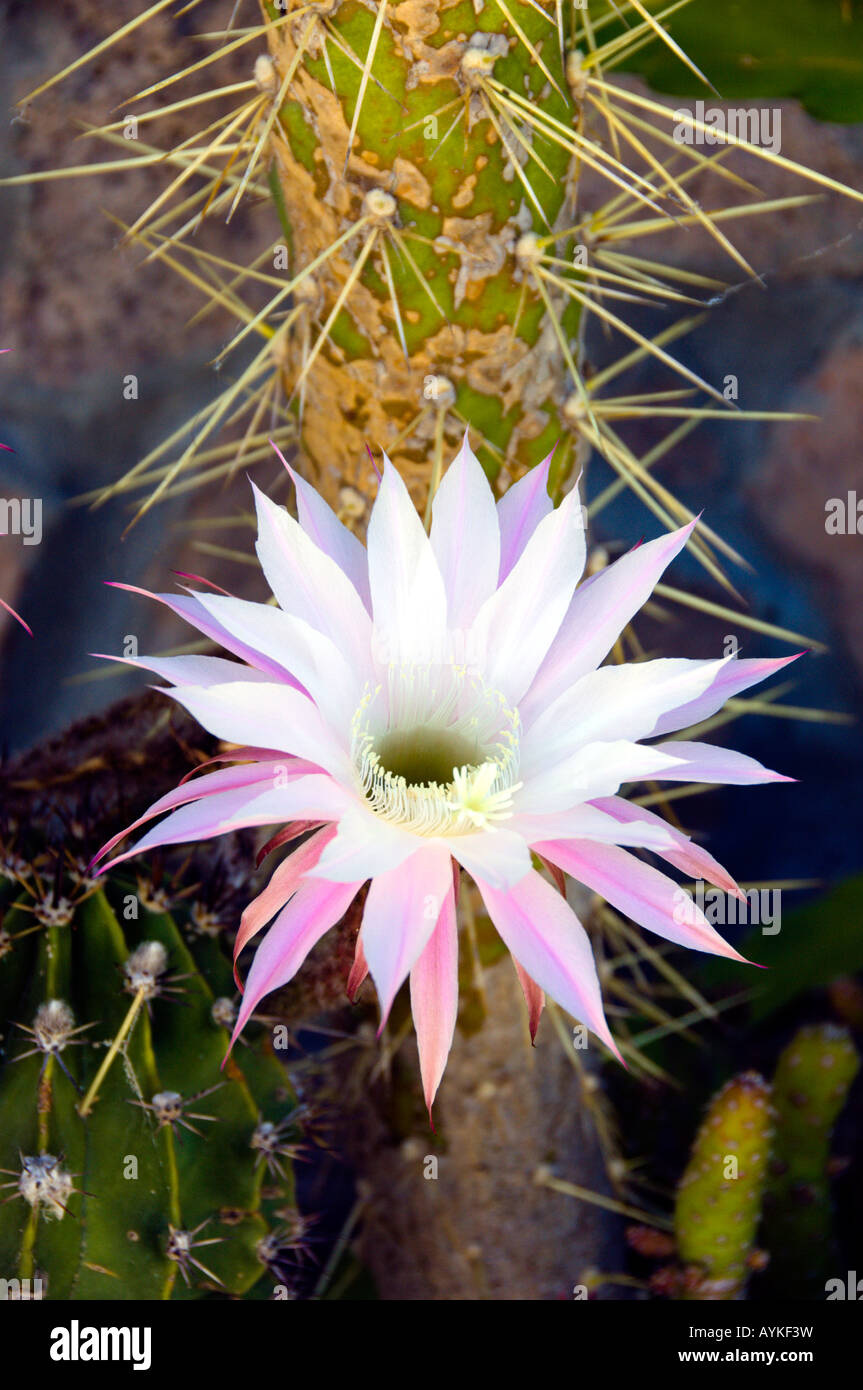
(355, 273)
(125, 1027)
(367, 67)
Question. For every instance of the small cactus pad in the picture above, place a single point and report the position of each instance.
(719, 1198)
(813, 1077)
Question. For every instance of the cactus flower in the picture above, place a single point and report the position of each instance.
(431, 703)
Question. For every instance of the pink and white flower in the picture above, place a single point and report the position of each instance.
(427, 704)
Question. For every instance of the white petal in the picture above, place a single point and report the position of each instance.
(704, 762)
(590, 823)
(187, 606)
(364, 845)
(309, 584)
(600, 609)
(311, 658)
(520, 511)
(330, 535)
(736, 675)
(465, 537)
(269, 715)
(408, 595)
(516, 626)
(499, 857)
(596, 770)
(615, 702)
(193, 670)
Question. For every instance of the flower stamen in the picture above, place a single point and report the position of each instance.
(436, 751)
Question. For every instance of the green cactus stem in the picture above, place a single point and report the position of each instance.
(719, 1198)
(813, 1077)
(133, 1166)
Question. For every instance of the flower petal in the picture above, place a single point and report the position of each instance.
(641, 892)
(594, 822)
(544, 935)
(313, 909)
(249, 775)
(309, 584)
(520, 511)
(620, 701)
(401, 912)
(408, 595)
(189, 607)
(704, 762)
(516, 626)
(359, 969)
(275, 714)
(465, 537)
(191, 670)
(500, 857)
(316, 795)
(364, 845)
(597, 770)
(684, 854)
(283, 883)
(434, 998)
(313, 659)
(330, 535)
(534, 998)
(734, 676)
(599, 612)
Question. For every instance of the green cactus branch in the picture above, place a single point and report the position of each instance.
(160, 1188)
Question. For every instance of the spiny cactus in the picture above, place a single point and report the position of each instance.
(813, 1077)
(442, 252)
(133, 1167)
(719, 1198)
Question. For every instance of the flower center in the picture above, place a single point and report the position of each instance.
(436, 751)
(422, 756)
